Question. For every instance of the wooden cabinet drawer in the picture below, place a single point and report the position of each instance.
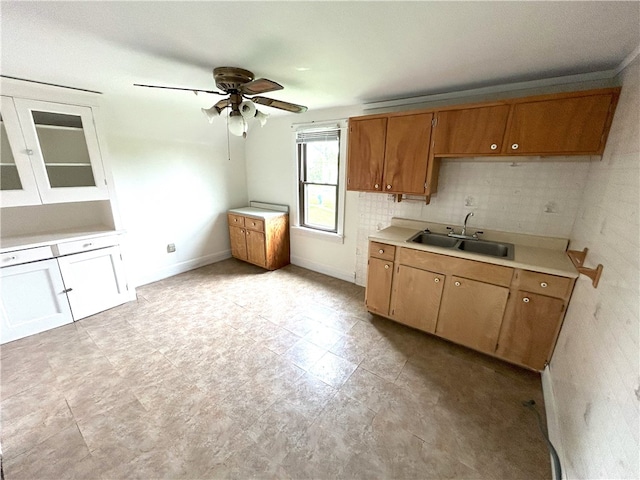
(77, 246)
(25, 256)
(382, 251)
(544, 284)
(480, 271)
(254, 224)
(235, 220)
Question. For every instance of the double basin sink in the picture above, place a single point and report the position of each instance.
(481, 247)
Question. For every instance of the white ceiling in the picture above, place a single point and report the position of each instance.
(324, 53)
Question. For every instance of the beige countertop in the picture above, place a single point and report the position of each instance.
(9, 244)
(540, 254)
(257, 212)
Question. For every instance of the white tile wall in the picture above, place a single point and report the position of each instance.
(595, 371)
(528, 195)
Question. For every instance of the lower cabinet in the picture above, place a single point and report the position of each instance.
(33, 299)
(512, 314)
(416, 297)
(530, 329)
(94, 281)
(261, 240)
(471, 313)
(45, 292)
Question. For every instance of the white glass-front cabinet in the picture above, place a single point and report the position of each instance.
(54, 144)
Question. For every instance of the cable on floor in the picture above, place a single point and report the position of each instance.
(531, 405)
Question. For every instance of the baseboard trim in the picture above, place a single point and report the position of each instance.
(553, 426)
(324, 269)
(182, 267)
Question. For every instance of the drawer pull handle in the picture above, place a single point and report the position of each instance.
(544, 285)
(525, 299)
(386, 267)
(381, 251)
(12, 258)
(437, 280)
(87, 245)
(494, 146)
(67, 290)
(457, 284)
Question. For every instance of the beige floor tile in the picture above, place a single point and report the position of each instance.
(333, 369)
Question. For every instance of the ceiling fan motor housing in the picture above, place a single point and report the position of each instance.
(230, 79)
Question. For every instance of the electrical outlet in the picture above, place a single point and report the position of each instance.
(171, 247)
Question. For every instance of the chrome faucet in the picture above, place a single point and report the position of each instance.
(463, 233)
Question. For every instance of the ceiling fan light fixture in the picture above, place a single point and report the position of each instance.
(237, 124)
(247, 109)
(211, 113)
(262, 117)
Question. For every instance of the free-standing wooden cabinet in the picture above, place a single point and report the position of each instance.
(389, 153)
(259, 236)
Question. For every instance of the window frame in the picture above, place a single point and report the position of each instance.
(340, 127)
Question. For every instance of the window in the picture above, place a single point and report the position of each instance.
(318, 152)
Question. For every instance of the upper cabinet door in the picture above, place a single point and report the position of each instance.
(366, 154)
(17, 183)
(407, 153)
(470, 131)
(559, 126)
(63, 144)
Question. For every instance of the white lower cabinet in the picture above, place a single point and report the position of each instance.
(94, 281)
(42, 292)
(33, 299)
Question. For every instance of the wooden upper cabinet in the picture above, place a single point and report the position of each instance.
(407, 153)
(366, 154)
(470, 131)
(562, 125)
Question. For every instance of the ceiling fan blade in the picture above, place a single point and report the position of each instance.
(180, 88)
(270, 102)
(260, 85)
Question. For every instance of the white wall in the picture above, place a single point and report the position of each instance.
(174, 182)
(595, 372)
(271, 177)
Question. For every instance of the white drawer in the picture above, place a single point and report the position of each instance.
(76, 246)
(25, 256)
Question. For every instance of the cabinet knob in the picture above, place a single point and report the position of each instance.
(376, 186)
(494, 146)
(525, 299)
(87, 245)
(386, 267)
(437, 280)
(457, 284)
(514, 146)
(544, 285)
(381, 251)
(248, 232)
(67, 290)
(253, 223)
(235, 220)
(28, 151)
(241, 231)
(388, 187)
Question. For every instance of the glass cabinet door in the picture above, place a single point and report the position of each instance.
(17, 183)
(65, 151)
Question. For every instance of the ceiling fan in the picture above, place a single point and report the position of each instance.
(243, 93)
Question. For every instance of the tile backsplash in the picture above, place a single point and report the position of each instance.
(527, 195)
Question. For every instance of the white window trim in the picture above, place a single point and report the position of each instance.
(296, 228)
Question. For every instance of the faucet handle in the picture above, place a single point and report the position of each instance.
(449, 228)
(479, 232)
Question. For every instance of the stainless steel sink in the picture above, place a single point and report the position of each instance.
(434, 239)
(484, 247)
(481, 247)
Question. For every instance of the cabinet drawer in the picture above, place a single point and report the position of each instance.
(474, 270)
(254, 224)
(77, 246)
(235, 220)
(382, 250)
(544, 284)
(25, 256)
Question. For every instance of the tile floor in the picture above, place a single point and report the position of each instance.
(229, 371)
